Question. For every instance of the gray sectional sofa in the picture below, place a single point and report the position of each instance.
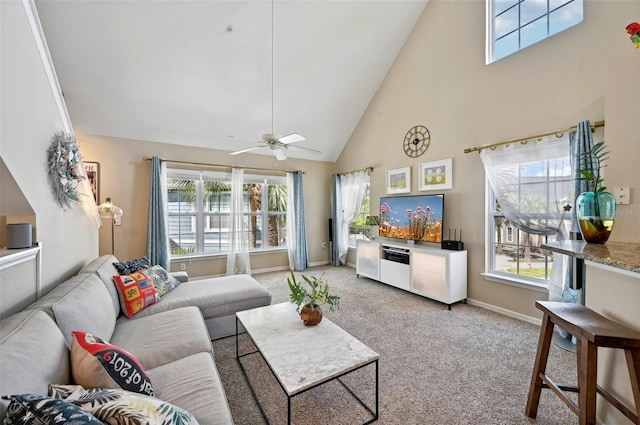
(171, 339)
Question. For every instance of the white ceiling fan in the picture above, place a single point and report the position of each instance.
(275, 142)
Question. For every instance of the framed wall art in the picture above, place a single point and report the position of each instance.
(436, 175)
(398, 180)
(93, 177)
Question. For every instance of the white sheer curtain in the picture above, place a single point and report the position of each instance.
(291, 222)
(533, 184)
(354, 186)
(238, 256)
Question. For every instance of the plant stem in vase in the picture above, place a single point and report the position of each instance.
(595, 209)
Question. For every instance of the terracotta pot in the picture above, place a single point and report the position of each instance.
(310, 316)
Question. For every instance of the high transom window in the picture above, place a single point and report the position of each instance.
(515, 24)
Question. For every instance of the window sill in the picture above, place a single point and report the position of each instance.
(211, 256)
(514, 281)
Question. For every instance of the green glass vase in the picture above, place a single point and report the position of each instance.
(596, 213)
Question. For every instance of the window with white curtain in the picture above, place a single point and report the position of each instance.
(199, 207)
(535, 183)
(513, 25)
(359, 229)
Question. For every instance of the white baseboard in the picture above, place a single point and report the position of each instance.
(505, 312)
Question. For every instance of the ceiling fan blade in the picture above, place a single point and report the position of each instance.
(291, 138)
(280, 156)
(302, 148)
(246, 150)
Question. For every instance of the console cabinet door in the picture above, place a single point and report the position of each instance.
(439, 275)
(368, 259)
(429, 275)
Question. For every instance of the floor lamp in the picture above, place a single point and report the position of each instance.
(108, 210)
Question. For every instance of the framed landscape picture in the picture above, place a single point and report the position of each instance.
(93, 177)
(436, 175)
(398, 180)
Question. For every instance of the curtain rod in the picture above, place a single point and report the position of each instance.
(221, 165)
(367, 169)
(523, 139)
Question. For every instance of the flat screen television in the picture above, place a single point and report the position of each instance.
(416, 217)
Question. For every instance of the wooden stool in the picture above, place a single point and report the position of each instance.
(591, 331)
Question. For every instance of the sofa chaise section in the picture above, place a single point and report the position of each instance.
(218, 298)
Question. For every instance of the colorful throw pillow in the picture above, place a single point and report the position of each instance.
(33, 409)
(98, 364)
(121, 407)
(136, 291)
(162, 280)
(132, 266)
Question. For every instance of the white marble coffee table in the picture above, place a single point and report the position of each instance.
(303, 357)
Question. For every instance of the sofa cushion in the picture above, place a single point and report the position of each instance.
(163, 281)
(35, 409)
(215, 297)
(87, 308)
(35, 333)
(98, 364)
(176, 333)
(132, 266)
(136, 292)
(104, 268)
(60, 291)
(121, 407)
(193, 383)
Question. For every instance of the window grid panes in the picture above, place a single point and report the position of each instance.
(514, 252)
(199, 209)
(515, 24)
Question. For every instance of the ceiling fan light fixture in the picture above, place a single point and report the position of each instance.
(270, 136)
(280, 156)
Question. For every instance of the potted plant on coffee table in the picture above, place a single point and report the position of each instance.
(309, 297)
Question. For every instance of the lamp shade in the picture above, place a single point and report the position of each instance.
(108, 210)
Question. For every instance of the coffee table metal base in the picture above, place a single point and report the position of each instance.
(239, 356)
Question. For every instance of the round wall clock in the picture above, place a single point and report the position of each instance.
(416, 141)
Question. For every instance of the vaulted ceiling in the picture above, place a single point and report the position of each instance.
(199, 73)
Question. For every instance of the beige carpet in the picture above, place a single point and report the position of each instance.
(464, 366)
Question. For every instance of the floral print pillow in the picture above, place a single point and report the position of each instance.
(121, 407)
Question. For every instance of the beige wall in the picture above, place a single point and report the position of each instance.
(29, 119)
(440, 80)
(124, 176)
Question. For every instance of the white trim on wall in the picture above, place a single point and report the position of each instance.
(89, 203)
(43, 49)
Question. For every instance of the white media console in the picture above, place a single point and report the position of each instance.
(434, 273)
